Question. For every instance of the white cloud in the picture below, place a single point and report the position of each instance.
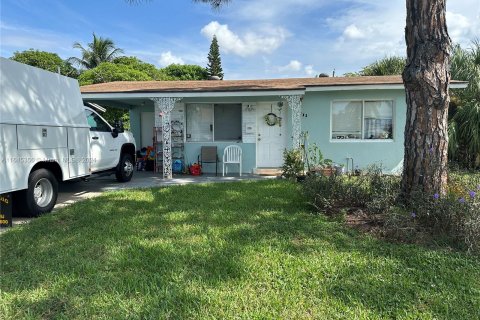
(293, 65)
(295, 68)
(463, 21)
(370, 32)
(460, 28)
(309, 71)
(352, 32)
(265, 41)
(373, 29)
(167, 58)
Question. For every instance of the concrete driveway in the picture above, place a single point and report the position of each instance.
(77, 190)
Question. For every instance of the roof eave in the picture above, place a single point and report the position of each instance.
(189, 94)
(345, 87)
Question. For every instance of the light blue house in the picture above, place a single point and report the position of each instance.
(349, 118)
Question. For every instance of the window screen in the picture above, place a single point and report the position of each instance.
(362, 119)
(199, 122)
(228, 122)
(378, 120)
(347, 120)
(219, 122)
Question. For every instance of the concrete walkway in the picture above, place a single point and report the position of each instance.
(73, 191)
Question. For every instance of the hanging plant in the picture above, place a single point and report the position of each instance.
(271, 119)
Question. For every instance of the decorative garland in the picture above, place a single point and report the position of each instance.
(271, 119)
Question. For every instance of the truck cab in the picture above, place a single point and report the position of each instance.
(110, 147)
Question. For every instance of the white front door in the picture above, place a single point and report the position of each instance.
(271, 140)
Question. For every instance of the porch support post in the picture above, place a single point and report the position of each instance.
(295, 104)
(163, 107)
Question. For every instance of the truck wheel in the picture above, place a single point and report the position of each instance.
(42, 192)
(124, 171)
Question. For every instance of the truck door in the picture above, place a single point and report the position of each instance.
(104, 151)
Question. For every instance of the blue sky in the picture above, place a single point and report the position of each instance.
(258, 38)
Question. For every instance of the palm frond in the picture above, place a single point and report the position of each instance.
(98, 51)
(214, 3)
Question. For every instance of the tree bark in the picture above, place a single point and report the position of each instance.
(426, 78)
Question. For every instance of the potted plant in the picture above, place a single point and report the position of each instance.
(327, 168)
(317, 163)
(339, 169)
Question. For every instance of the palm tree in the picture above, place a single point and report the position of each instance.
(98, 51)
(384, 67)
(464, 125)
(466, 66)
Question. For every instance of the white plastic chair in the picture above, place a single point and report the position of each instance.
(232, 154)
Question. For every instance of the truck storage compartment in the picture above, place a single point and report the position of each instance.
(9, 161)
(79, 154)
(41, 137)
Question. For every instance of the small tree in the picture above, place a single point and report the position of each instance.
(137, 64)
(108, 72)
(184, 72)
(45, 60)
(214, 67)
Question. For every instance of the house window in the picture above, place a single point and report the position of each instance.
(213, 122)
(199, 122)
(366, 119)
(228, 122)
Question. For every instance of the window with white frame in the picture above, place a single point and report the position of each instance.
(362, 120)
(213, 122)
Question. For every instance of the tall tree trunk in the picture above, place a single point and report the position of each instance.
(426, 78)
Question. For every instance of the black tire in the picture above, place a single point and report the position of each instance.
(124, 172)
(41, 195)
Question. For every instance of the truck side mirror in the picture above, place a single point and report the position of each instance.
(115, 132)
(118, 124)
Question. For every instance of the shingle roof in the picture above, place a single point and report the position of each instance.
(236, 85)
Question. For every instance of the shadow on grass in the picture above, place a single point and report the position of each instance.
(192, 251)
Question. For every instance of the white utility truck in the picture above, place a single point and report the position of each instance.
(47, 135)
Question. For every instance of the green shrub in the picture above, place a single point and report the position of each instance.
(374, 192)
(334, 193)
(293, 164)
(453, 218)
(471, 232)
(452, 215)
(382, 192)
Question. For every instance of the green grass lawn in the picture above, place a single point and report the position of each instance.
(249, 250)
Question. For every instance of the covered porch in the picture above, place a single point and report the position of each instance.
(178, 124)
